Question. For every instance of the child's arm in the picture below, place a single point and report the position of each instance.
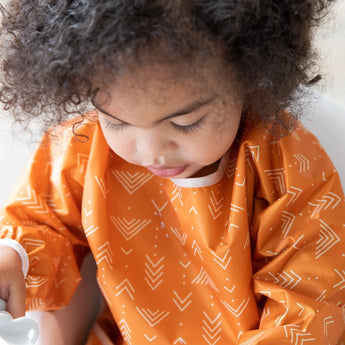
(12, 283)
(44, 217)
(298, 245)
(71, 324)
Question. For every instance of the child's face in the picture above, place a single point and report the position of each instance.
(174, 126)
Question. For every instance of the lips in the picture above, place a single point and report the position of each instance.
(165, 171)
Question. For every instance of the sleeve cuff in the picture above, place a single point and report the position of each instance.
(20, 250)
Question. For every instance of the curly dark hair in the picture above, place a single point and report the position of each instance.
(52, 51)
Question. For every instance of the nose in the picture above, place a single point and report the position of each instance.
(154, 145)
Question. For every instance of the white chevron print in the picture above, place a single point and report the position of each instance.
(302, 309)
(265, 313)
(126, 251)
(322, 296)
(295, 194)
(215, 207)
(132, 182)
(154, 272)
(231, 168)
(180, 341)
(280, 318)
(30, 244)
(33, 201)
(105, 254)
(249, 159)
(230, 290)
(297, 335)
(60, 282)
(297, 241)
(328, 239)
(150, 339)
(192, 209)
(125, 331)
(35, 281)
(159, 208)
(304, 163)
(102, 186)
(87, 212)
(326, 322)
(286, 279)
(182, 237)
(222, 262)
(125, 286)
(177, 193)
(55, 260)
(240, 308)
(287, 219)
(182, 303)
(242, 184)
(205, 279)
(129, 228)
(184, 265)
(50, 201)
(329, 200)
(341, 284)
(37, 303)
(231, 226)
(255, 152)
(252, 339)
(278, 178)
(90, 230)
(197, 250)
(236, 208)
(211, 329)
(152, 317)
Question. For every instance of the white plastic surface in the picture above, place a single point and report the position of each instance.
(20, 331)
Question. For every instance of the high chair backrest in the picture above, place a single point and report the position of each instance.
(326, 120)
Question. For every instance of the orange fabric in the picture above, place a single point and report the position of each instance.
(256, 258)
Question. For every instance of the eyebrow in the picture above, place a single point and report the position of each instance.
(189, 108)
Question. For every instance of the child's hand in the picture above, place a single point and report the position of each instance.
(12, 283)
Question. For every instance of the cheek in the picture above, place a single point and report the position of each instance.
(225, 128)
(227, 116)
(118, 143)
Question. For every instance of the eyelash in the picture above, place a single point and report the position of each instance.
(185, 129)
(115, 126)
(189, 128)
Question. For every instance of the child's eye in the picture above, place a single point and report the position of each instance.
(115, 126)
(189, 128)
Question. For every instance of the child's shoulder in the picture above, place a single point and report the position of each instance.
(282, 133)
(77, 134)
(281, 146)
(80, 125)
(75, 130)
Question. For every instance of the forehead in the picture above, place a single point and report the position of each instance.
(163, 82)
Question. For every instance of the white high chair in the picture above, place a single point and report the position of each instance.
(325, 118)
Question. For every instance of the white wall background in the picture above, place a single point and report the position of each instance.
(331, 43)
(15, 148)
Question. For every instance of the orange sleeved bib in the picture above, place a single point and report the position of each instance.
(257, 257)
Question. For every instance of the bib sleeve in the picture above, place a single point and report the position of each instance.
(298, 231)
(44, 217)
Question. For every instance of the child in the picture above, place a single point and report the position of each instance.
(213, 216)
